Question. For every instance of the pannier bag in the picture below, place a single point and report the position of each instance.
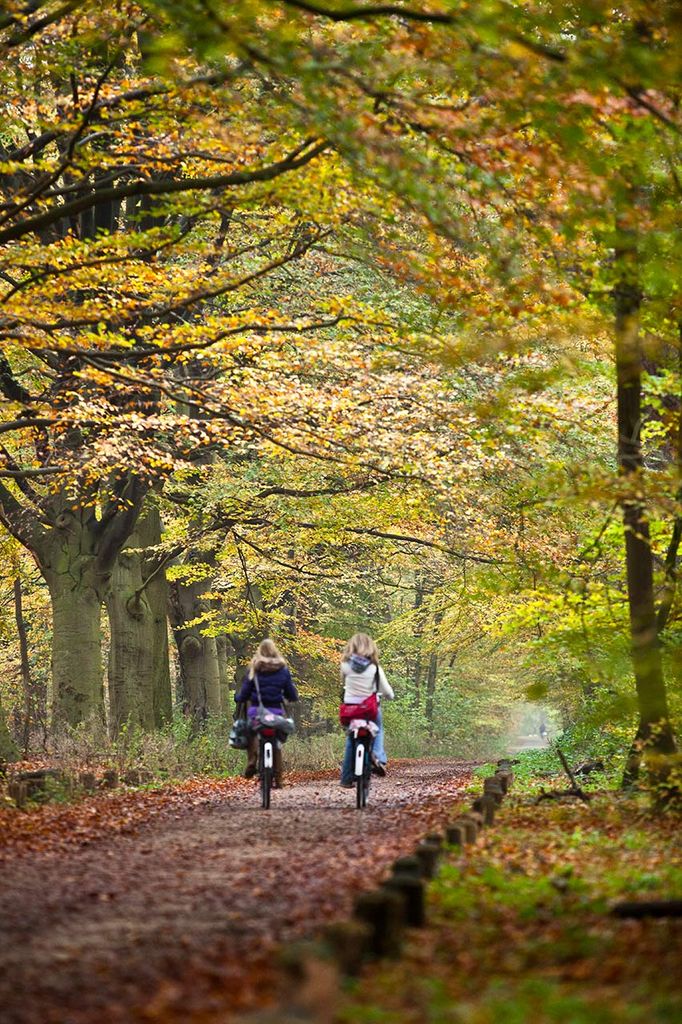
(239, 734)
(369, 709)
(269, 720)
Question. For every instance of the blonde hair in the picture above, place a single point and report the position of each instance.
(267, 656)
(362, 644)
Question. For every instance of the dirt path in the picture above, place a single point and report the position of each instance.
(178, 920)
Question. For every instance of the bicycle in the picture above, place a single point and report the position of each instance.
(267, 740)
(363, 741)
(272, 731)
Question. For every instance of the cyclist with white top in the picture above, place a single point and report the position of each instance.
(361, 674)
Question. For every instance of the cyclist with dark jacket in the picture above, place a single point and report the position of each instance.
(269, 669)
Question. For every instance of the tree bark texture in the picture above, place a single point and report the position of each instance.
(418, 635)
(139, 671)
(77, 674)
(77, 585)
(200, 684)
(76, 555)
(26, 681)
(222, 646)
(431, 676)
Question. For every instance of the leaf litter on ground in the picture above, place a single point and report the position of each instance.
(520, 929)
(168, 905)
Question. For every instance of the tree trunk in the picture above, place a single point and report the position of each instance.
(418, 634)
(76, 555)
(198, 654)
(77, 690)
(157, 598)
(8, 748)
(139, 671)
(223, 671)
(431, 677)
(26, 681)
(654, 730)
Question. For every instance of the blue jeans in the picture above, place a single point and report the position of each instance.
(347, 774)
(378, 749)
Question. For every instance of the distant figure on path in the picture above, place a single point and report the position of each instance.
(358, 673)
(270, 671)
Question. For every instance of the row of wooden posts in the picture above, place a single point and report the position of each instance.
(381, 915)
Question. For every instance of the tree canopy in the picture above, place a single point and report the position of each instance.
(320, 315)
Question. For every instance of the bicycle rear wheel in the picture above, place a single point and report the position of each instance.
(362, 780)
(265, 765)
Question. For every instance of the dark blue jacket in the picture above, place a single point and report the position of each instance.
(274, 686)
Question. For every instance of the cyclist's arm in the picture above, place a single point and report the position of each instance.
(244, 694)
(385, 688)
(289, 689)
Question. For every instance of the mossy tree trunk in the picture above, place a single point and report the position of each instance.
(77, 585)
(77, 673)
(76, 550)
(139, 671)
(223, 671)
(200, 683)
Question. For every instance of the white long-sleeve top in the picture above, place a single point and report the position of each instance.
(358, 685)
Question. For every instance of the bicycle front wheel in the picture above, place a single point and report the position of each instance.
(366, 776)
(360, 792)
(265, 787)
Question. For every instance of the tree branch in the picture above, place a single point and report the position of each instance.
(154, 186)
(27, 32)
(119, 520)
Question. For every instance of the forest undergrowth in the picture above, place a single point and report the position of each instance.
(179, 751)
(521, 929)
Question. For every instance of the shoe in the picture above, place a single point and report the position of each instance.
(347, 785)
(250, 771)
(378, 769)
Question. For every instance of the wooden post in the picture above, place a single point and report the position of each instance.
(435, 837)
(18, 792)
(456, 834)
(88, 781)
(428, 856)
(411, 890)
(493, 787)
(470, 829)
(407, 866)
(349, 942)
(486, 805)
(110, 779)
(382, 912)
